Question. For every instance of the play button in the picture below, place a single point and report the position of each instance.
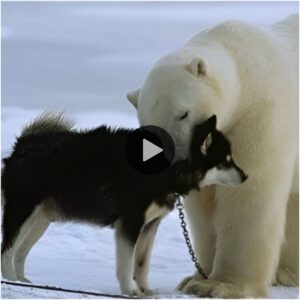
(150, 150)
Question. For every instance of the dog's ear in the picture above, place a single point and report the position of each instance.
(202, 137)
(212, 123)
(206, 144)
(133, 97)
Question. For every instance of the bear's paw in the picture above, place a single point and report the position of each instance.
(214, 289)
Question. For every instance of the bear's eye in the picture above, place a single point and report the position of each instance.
(183, 116)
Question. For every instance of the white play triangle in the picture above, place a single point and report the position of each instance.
(150, 150)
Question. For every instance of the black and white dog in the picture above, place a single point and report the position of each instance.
(56, 173)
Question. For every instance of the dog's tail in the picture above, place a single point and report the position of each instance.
(48, 122)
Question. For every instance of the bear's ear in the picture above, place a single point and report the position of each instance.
(197, 67)
(133, 97)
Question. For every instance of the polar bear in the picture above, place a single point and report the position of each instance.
(248, 77)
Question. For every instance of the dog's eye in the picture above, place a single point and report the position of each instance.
(224, 164)
(182, 117)
(221, 166)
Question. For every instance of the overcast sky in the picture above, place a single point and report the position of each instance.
(87, 56)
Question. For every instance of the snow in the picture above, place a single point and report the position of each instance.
(83, 57)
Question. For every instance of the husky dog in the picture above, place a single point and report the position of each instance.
(56, 173)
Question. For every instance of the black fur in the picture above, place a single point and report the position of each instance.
(218, 150)
(88, 177)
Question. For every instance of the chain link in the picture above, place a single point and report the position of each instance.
(179, 207)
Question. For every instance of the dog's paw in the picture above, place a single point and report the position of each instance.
(147, 291)
(7, 266)
(133, 292)
(24, 279)
(286, 277)
(214, 289)
(137, 293)
(187, 279)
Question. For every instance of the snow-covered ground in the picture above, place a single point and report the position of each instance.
(82, 257)
(83, 58)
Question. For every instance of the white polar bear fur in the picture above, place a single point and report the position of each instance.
(248, 77)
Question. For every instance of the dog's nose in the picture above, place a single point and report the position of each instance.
(244, 177)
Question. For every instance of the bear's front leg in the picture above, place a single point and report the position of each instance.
(200, 207)
(249, 223)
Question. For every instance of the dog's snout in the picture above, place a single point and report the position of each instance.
(244, 176)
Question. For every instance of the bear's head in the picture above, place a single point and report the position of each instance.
(183, 90)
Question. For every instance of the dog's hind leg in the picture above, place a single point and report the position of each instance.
(7, 267)
(125, 254)
(143, 254)
(13, 219)
(31, 231)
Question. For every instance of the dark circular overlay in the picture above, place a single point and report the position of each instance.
(158, 137)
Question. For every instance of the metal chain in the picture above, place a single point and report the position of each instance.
(179, 206)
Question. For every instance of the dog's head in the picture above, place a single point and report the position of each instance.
(210, 156)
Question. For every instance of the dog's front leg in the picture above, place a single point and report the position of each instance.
(125, 254)
(143, 254)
